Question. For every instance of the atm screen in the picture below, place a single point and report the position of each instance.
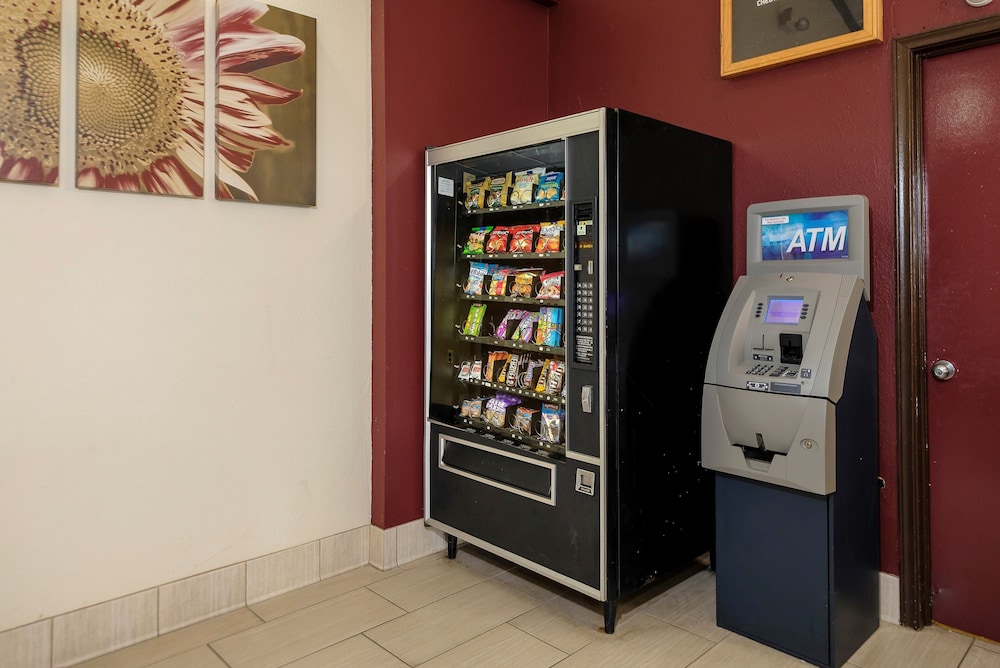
(783, 310)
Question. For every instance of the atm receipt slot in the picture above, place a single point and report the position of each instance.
(774, 376)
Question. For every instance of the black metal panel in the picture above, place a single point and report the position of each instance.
(670, 274)
(855, 522)
(564, 538)
(772, 556)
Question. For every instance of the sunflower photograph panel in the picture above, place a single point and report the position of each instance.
(141, 96)
(30, 51)
(266, 110)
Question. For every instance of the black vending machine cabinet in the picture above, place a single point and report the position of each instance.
(575, 272)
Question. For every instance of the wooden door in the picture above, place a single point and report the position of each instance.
(962, 167)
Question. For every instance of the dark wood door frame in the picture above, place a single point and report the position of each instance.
(909, 54)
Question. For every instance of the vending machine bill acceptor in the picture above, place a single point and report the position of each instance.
(789, 423)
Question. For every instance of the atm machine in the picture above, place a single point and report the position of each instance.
(789, 425)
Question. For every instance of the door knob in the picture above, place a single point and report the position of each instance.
(943, 370)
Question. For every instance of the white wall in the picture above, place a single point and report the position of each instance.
(185, 384)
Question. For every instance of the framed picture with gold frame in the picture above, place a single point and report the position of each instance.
(761, 34)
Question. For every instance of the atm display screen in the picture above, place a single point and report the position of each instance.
(783, 310)
(813, 235)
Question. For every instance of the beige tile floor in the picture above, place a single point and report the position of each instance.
(483, 612)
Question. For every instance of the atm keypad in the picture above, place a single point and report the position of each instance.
(771, 370)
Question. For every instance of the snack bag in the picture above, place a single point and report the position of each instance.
(543, 377)
(477, 241)
(524, 284)
(526, 420)
(522, 238)
(476, 373)
(551, 285)
(499, 187)
(554, 381)
(494, 364)
(551, 426)
(524, 185)
(498, 283)
(476, 408)
(474, 323)
(508, 326)
(466, 406)
(549, 332)
(550, 237)
(529, 374)
(513, 370)
(550, 187)
(475, 194)
(526, 330)
(497, 407)
(466, 369)
(476, 283)
(497, 242)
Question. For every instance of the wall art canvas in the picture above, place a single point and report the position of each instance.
(141, 96)
(29, 90)
(266, 104)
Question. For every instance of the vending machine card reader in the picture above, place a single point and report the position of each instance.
(789, 425)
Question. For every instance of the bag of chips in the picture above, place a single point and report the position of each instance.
(524, 186)
(550, 237)
(522, 238)
(497, 242)
(499, 281)
(551, 426)
(551, 285)
(477, 241)
(476, 283)
(499, 187)
(497, 408)
(475, 194)
(526, 420)
(524, 283)
(549, 187)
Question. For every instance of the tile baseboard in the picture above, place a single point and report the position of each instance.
(76, 636)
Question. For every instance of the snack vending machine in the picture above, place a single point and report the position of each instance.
(576, 270)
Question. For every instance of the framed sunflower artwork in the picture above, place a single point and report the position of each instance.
(265, 104)
(141, 96)
(30, 54)
(761, 34)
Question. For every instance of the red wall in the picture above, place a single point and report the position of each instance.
(818, 127)
(442, 71)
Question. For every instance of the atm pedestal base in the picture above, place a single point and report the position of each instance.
(795, 571)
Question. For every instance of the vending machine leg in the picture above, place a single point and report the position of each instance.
(452, 545)
(610, 614)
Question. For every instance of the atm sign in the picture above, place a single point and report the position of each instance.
(818, 235)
